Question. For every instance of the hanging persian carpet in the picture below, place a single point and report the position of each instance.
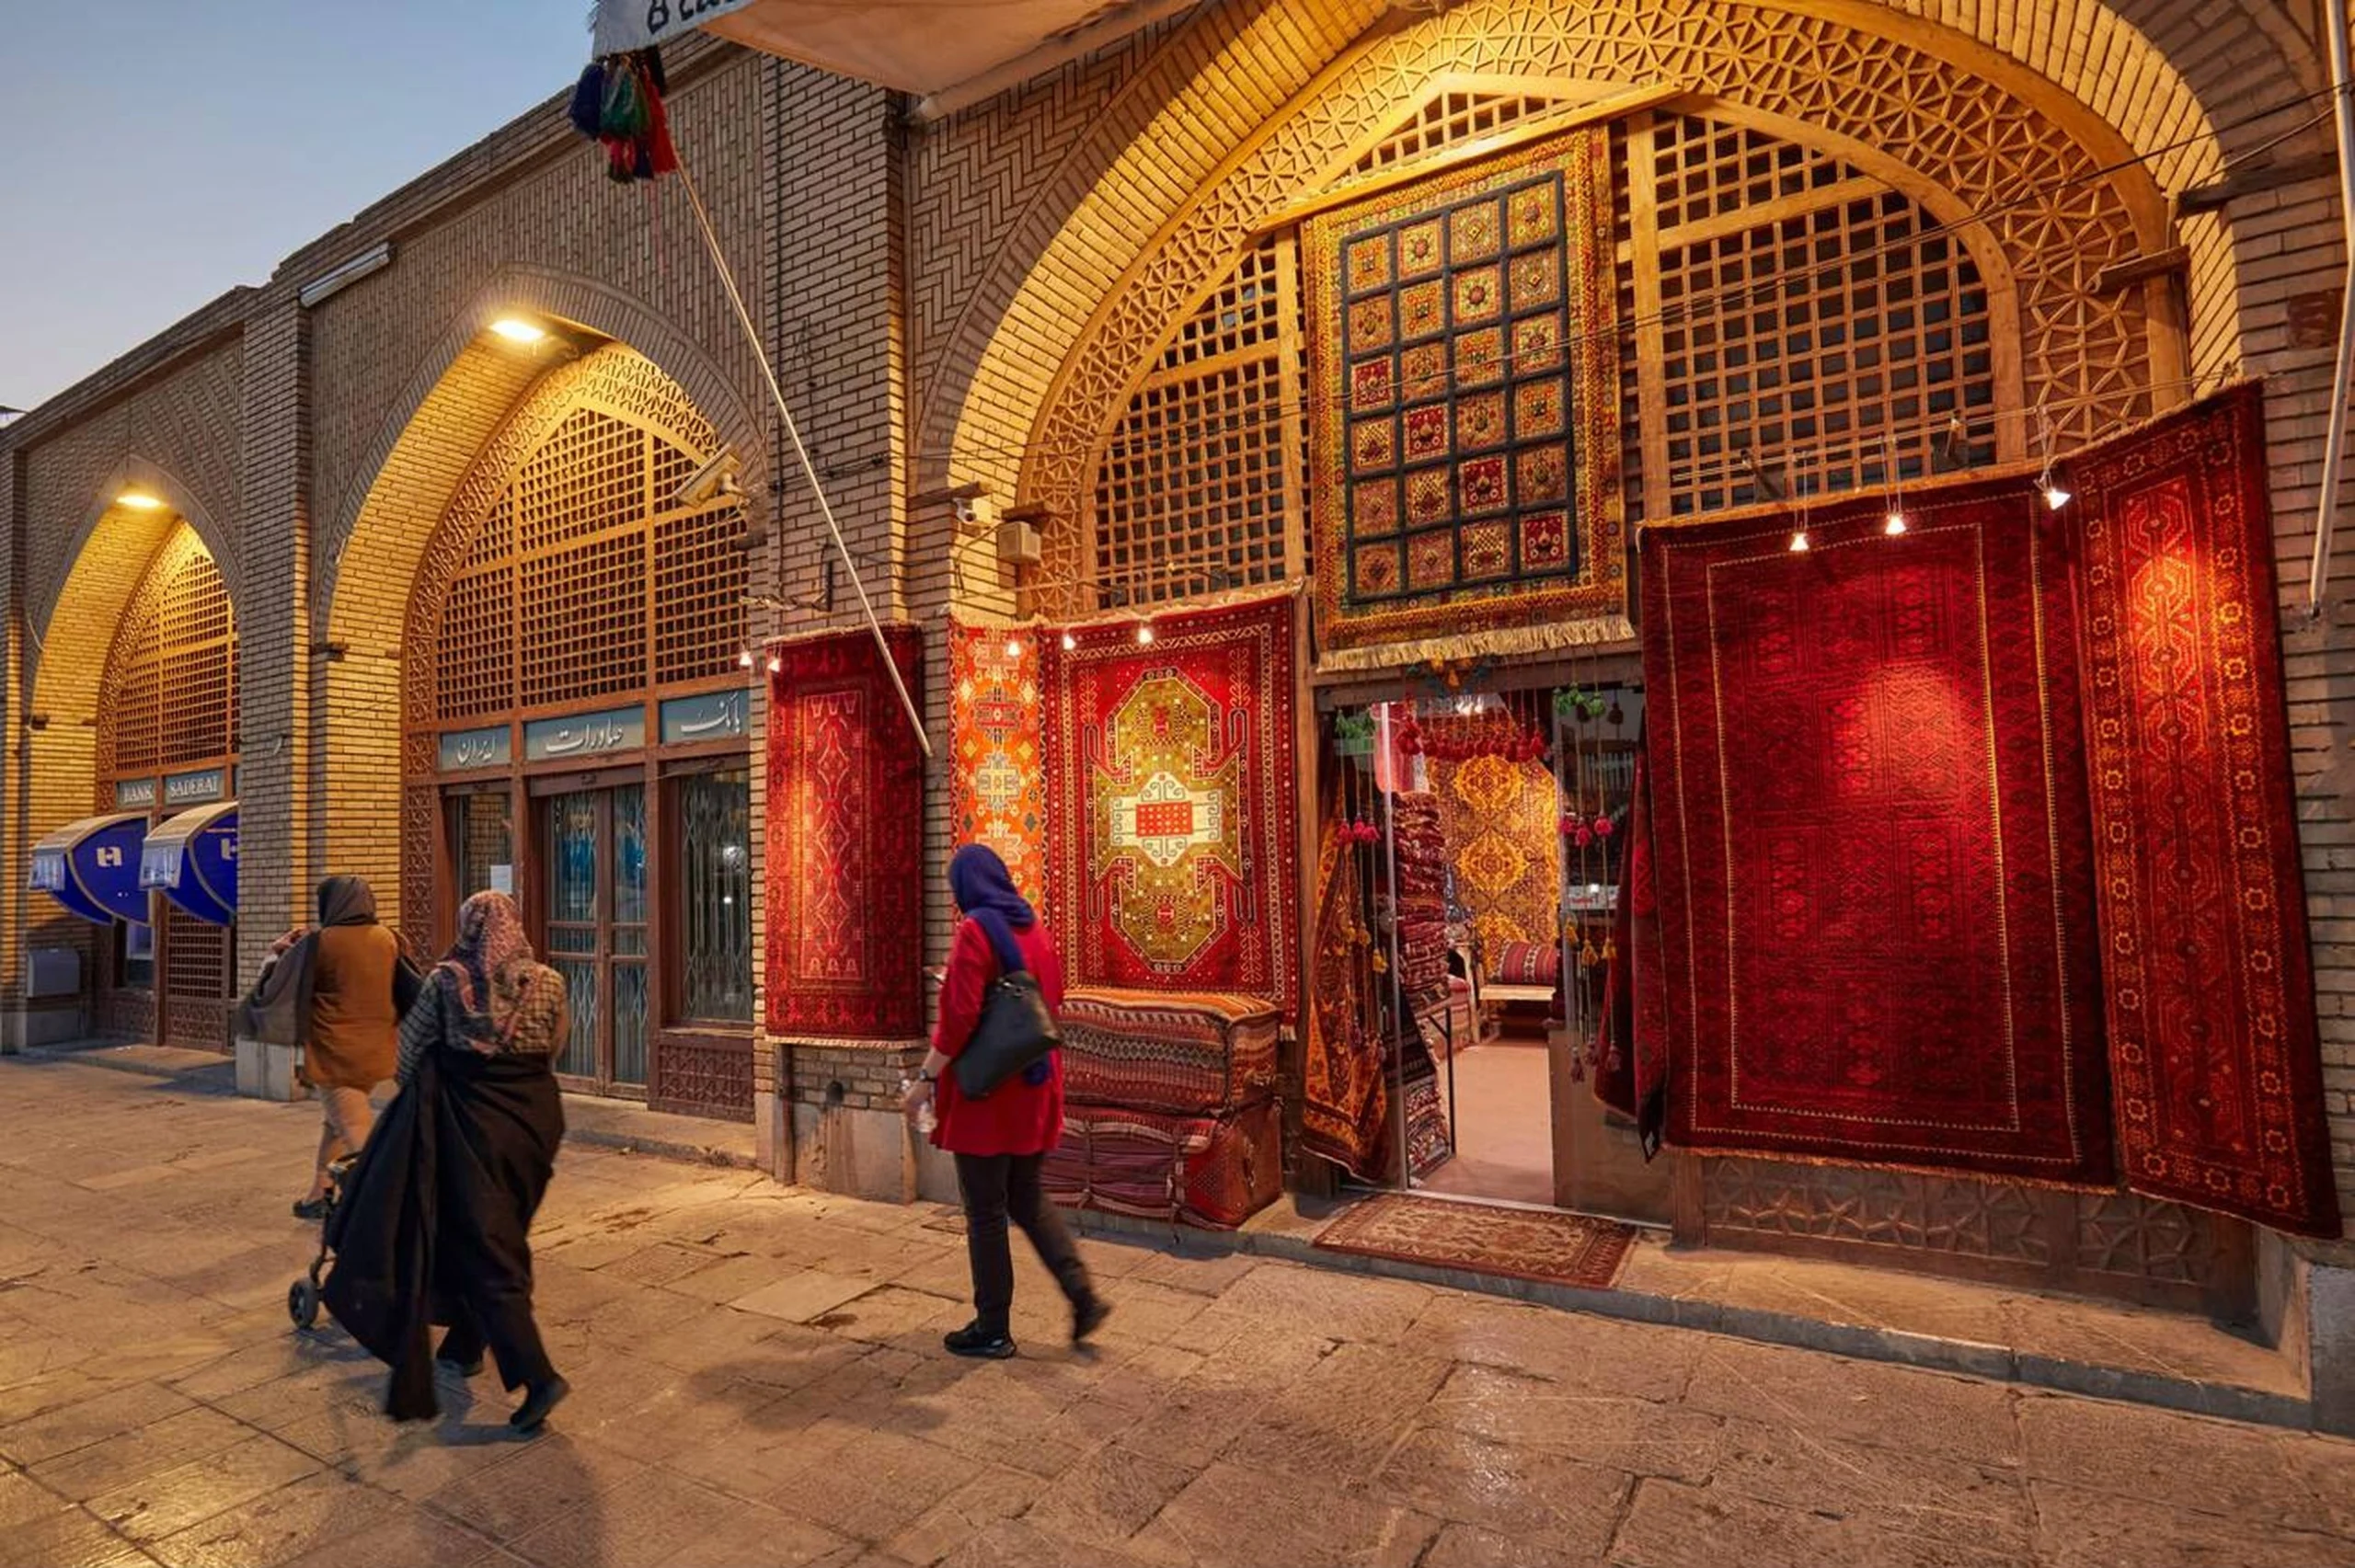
(1345, 1094)
(845, 841)
(2204, 956)
(1630, 1058)
(1464, 412)
(997, 784)
(1870, 840)
(1173, 801)
(1502, 813)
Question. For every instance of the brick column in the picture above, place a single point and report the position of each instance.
(274, 652)
(14, 696)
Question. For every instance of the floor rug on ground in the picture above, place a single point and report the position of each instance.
(845, 841)
(1870, 839)
(1174, 802)
(2203, 912)
(1523, 1243)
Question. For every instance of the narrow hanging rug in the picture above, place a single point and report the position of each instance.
(2210, 990)
(1871, 849)
(845, 841)
(1630, 1059)
(1174, 803)
(997, 782)
(1345, 1092)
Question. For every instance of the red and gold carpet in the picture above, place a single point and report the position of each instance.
(1521, 1243)
(1464, 402)
(997, 792)
(845, 841)
(1870, 838)
(1345, 1093)
(2210, 993)
(1503, 818)
(1173, 801)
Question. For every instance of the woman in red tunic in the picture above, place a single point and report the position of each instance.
(1001, 1141)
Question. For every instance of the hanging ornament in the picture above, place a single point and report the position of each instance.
(618, 104)
(1603, 827)
(1566, 825)
(1583, 836)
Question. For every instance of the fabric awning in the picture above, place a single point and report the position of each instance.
(192, 861)
(92, 867)
(915, 46)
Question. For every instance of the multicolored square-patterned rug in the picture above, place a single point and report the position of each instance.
(2211, 996)
(1521, 1243)
(1870, 837)
(1464, 412)
(997, 782)
(1174, 802)
(845, 841)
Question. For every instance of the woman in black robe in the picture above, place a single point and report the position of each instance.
(437, 1222)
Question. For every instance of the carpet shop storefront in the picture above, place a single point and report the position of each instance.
(1685, 614)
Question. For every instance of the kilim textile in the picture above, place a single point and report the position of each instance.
(1345, 1093)
(997, 793)
(1428, 1144)
(1192, 1054)
(1873, 857)
(1464, 411)
(1529, 964)
(1523, 1243)
(1214, 1171)
(1170, 780)
(1420, 845)
(1503, 824)
(845, 841)
(2204, 956)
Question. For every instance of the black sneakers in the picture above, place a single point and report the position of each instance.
(310, 1209)
(978, 1343)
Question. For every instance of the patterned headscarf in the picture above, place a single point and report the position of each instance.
(501, 995)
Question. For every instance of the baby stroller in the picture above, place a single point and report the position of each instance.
(303, 1295)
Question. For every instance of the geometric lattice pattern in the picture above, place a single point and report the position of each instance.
(170, 691)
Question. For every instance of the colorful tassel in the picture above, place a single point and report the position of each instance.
(618, 103)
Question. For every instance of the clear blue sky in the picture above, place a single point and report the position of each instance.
(165, 151)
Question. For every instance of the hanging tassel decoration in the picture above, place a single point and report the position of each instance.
(618, 103)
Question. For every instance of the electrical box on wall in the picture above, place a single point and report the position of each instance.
(55, 971)
(1017, 542)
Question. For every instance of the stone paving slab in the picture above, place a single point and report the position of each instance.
(760, 1381)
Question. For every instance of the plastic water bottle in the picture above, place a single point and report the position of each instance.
(926, 1120)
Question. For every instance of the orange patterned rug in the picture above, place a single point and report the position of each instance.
(1523, 1243)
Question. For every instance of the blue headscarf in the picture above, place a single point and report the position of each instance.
(985, 890)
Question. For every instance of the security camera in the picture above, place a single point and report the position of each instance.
(716, 477)
(976, 512)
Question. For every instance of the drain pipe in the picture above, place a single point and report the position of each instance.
(2334, 444)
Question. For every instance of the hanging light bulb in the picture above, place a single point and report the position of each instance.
(776, 664)
(1014, 648)
(2056, 493)
(1144, 633)
(744, 659)
(1070, 643)
(1798, 539)
(1895, 524)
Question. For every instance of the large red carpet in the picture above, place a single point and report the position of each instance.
(2211, 998)
(845, 841)
(997, 788)
(1872, 853)
(1173, 801)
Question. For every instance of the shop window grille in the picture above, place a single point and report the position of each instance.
(1192, 490)
(1450, 117)
(170, 693)
(196, 957)
(584, 583)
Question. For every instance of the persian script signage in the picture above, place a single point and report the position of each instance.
(717, 716)
(462, 751)
(584, 734)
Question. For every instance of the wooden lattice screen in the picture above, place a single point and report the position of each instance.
(585, 581)
(171, 687)
(1192, 487)
(1778, 300)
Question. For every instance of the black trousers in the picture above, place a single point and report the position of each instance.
(493, 1309)
(999, 1187)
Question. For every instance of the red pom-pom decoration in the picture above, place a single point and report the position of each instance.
(1603, 827)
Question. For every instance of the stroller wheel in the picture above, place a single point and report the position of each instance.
(303, 1303)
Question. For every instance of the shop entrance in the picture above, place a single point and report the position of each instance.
(594, 929)
(1494, 821)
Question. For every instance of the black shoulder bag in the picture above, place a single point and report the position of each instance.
(1016, 1031)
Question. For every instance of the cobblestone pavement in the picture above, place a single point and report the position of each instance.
(760, 1381)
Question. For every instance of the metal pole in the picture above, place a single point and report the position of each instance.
(809, 469)
(2335, 443)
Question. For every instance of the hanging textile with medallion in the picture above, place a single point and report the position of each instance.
(1501, 815)
(1174, 803)
(997, 783)
(1870, 840)
(1464, 412)
(2203, 911)
(845, 841)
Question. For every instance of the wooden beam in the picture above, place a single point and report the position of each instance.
(2124, 275)
(2250, 182)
